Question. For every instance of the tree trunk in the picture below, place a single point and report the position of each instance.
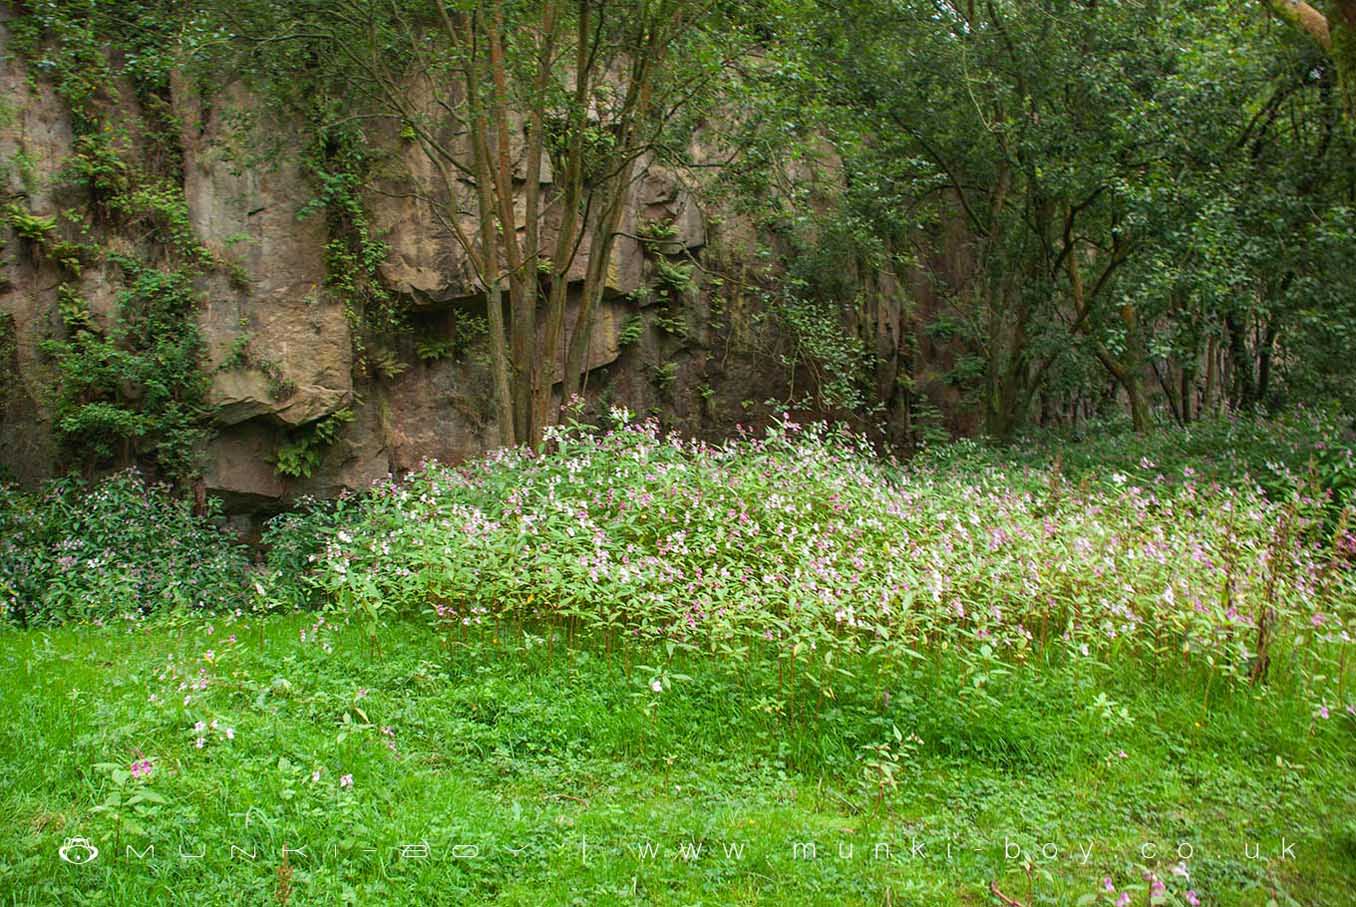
(522, 280)
(499, 364)
(1140, 419)
(1335, 33)
(1264, 357)
(1244, 388)
(1187, 391)
(1171, 390)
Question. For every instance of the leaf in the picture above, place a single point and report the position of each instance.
(146, 795)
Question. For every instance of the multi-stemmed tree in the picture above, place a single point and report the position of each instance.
(490, 91)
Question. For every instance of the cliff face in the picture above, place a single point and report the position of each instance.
(279, 346)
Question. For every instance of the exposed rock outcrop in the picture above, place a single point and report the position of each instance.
(279, 346)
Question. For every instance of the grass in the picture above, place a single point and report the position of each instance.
(531, 750)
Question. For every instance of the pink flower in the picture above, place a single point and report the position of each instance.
(230, 733)
(1123, 900)
(200, 743)
(346, 781)
(142, 768)
(1318, 619)
(1107, 885)
(1323, 712)
(1191, 898)
(199, 727)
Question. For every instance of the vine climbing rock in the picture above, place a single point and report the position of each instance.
(279, 350)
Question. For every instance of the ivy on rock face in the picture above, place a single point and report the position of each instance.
(300, 457)
(132, 390)
(339, 166)
(136, 390)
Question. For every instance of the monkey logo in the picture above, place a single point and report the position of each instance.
(78, 851)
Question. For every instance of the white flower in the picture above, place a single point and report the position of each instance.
(656, 685)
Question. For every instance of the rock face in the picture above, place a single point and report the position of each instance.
(33, 143)
(279, 347)
(298, 354)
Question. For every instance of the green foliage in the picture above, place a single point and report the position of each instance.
(293, 540)
(40, 231)
(385, 362)
(774, 641)
(116, 550)
(467, 331)
(238, 354)
(656, 235)
(1190, 163)
(136, 391)
(159, 208)
(353, 254)
(430, 349)
(97, 165)
(43, 237)
(303, 453)
(440, 743)
(1307, 449)
(819, 342)
(631, 330)
(802, 548)
(674, 278)
(665, 373)
(132, 391)
(67, 41)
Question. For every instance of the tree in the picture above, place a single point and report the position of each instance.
(1334, 31)
(1084, 186)
(591, 86)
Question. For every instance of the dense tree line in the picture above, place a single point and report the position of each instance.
(1144, 201)
(1044, 209)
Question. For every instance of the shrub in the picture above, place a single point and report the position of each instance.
(119, 549)
(803, 547)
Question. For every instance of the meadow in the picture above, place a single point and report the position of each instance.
(642, 669)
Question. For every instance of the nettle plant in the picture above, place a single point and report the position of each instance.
(806, 554)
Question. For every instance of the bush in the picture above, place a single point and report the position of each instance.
(1304, 447)
(804, 548)
(119, 549)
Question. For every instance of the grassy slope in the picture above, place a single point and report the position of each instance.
(514, 749)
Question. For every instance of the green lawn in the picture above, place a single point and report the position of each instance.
(550, 774)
